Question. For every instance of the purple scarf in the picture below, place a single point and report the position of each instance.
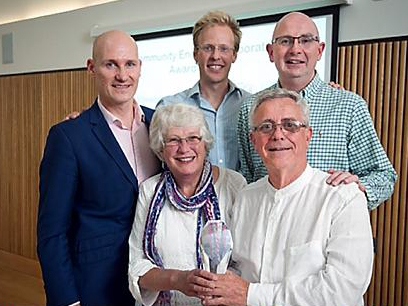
(205, 200)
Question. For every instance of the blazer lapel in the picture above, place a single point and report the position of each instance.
(148, 112)
(103, 133)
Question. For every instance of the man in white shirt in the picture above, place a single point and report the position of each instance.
(297, 239)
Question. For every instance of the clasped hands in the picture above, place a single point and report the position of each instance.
(215, 289)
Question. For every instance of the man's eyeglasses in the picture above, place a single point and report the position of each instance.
(288, 41)
(288, 125)
(177, 141)
(211, 48)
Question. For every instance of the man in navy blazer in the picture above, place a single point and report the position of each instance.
(89, 178)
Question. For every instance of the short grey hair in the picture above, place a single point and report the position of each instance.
(280, 93)
(177, 115)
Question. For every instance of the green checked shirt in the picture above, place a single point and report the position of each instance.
(344, 139)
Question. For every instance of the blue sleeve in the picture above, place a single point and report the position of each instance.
(58, 184)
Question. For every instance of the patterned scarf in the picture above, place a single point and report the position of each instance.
(205, 201)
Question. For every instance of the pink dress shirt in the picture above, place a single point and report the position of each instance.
(134, 142)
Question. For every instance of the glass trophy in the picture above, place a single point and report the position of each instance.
(216, 246)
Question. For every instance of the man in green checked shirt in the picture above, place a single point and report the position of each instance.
(345, 142)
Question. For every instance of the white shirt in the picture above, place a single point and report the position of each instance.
(307, 244)
(176, 235)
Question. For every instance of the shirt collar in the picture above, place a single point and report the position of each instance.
(110, 118)
(293, 187)
(314, 83)
(309, 87)
(195, 90)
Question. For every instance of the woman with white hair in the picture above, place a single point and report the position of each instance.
(174, 206)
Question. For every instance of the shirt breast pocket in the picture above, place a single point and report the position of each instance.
(304, 260)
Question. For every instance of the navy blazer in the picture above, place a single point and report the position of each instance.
(88, 194)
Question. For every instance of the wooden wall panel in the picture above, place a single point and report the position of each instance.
(64, 92)
(20, 152)
(29, 105)
(378, 72)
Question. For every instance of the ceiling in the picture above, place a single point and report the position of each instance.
(17, 10)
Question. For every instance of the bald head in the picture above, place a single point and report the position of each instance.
(295, 61)
(297, 20)
(116, 66)
(114, 39)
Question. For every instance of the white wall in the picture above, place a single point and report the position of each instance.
(370, 19)
(63, 41)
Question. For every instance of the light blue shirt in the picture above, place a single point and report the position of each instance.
(222, 122)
